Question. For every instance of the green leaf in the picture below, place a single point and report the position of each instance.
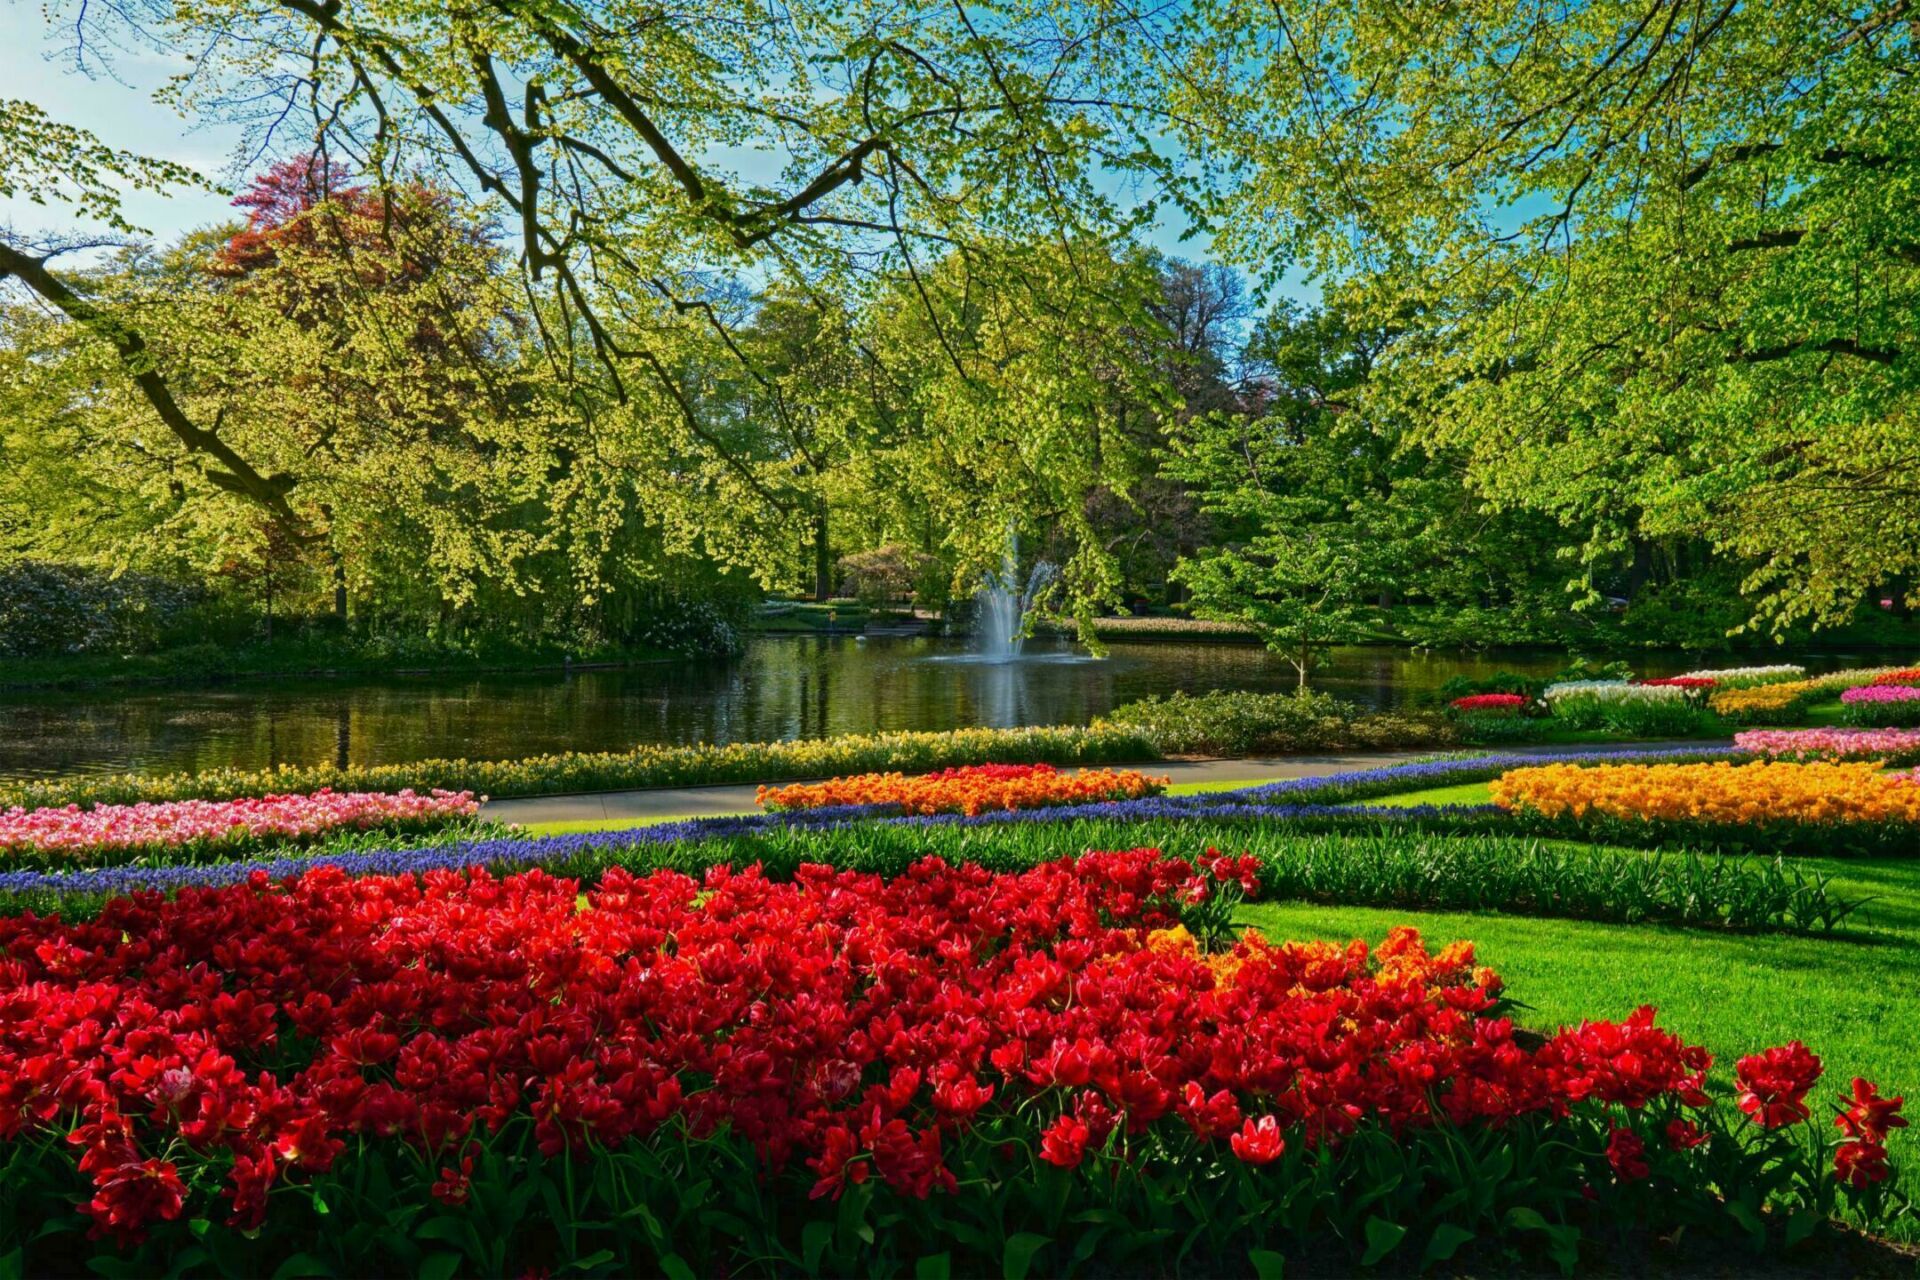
(446, 1228)
(674, 1267)
(1018, 1257)
(934, 1266)
(813, 1244)
(1266, 1264)
(1746, 1217)
(1444, 1243)
(1383, 1238)
(1564, 1247)
(439, 1265)
(301, 1265)
(1802, 1225)
(1521, 1218)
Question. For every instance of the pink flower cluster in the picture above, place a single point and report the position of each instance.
(1829, 744)
(74, 831)
(1881, 693)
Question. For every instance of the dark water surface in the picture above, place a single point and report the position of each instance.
(784, 687)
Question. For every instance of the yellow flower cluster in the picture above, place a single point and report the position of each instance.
(1763, 703)
(1762, 792)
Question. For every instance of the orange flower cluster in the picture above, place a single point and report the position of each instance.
(972, 790)
(1767, 791)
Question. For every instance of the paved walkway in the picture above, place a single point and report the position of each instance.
(700, 802)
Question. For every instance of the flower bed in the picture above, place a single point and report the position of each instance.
(1764, 704)
(664, 1074)
(648, 766)
(1757, 793)
(1692, 684)
(1901, 675)
(114, 833)
(1901, 745)
(1634, 709)
(1239, 722)
(1489, 704)
(1748, 677)
(1881, 705)
(973, 789)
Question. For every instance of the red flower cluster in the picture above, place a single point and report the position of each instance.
(847, 1025)
(1774, 1085)
(1484, 702)
(1866, 1119)
(1679, 682)
(1906, 675)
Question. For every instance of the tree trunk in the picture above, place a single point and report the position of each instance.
(339, 590)
(822, 558)
(1641, 570)
(1897, 592)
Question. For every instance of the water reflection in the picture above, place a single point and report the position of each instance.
(781, 688)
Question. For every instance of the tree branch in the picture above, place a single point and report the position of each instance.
(240, 476)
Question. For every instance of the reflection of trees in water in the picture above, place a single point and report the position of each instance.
(782, 688)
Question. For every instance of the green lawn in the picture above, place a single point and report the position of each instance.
(575, 825)
(1464, 793)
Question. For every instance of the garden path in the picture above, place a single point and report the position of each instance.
(702, 802)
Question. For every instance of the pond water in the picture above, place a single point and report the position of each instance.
(782, 687)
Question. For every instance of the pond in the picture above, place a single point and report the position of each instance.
(782, 687)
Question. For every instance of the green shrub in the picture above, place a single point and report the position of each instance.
(1677, 718)
(887, 575)
(1234, 723)
(1489, 728)
(1528, 687)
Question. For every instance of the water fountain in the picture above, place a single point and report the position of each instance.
(1003, 604)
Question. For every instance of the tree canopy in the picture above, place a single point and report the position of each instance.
(1651, 264)
(533, 307)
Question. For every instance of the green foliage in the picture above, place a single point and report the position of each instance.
(681, 1205)
(890, 574)
(1499, 682)
(46, 162)
(1230, 723)
(1520, 875)
(1793, 839)
(1494, 729)
(1881, 715)
(48, 609)
(1677, 718)
(647, 766)
(1649, 270)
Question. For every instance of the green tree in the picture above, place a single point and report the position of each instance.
(905, 143)
(1653, 267)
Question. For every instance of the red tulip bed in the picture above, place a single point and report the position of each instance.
(1071, 1068)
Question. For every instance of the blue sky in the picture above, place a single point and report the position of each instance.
(122, 113)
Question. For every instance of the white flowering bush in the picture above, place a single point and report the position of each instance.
(1748, 677)
(1622, 707)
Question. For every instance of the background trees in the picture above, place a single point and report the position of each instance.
(546, 318)
(1648, 263)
